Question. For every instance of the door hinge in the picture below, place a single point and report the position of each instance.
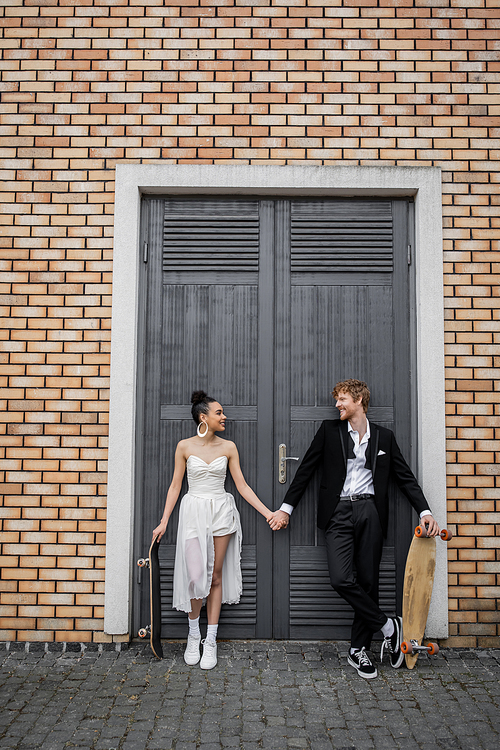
(409, 255)
(145, 255)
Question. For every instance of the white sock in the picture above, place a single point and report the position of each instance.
(194, 627)
(388, 629)
(212, 633)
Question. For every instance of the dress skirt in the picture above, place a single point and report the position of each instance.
(200, 519)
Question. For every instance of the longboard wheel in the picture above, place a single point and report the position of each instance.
(406, 647)
(143, 562)
(445, 534)
(144, 632)
(433, 649)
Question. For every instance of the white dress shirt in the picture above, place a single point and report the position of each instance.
(359, 479)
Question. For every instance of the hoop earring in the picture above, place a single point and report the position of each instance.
(198, 429)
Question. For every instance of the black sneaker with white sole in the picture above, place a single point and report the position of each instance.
(362, 664)
(393, 644)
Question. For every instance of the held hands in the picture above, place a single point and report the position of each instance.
(278, 520)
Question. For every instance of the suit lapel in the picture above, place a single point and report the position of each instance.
(344, 436)
(374, 434)
(372, 444)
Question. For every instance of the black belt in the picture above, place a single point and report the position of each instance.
(357, 497)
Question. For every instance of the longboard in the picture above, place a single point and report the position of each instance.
(417, 591)
(154, 628)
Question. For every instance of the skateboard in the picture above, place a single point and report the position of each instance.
(417, 590)
(154, 628)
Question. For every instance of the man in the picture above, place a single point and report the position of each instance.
(358, 458)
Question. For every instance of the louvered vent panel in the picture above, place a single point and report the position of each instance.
(211, 235)
(341, 236)
(312, 599)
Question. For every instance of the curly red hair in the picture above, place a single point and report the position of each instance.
(356, 388)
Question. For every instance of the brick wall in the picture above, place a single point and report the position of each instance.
(85, 83)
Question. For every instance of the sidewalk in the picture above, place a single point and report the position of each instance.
(262, 694)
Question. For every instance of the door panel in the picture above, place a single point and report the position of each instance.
(340, 315)
(266, 305)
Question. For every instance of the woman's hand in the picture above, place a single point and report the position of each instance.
(160, 530)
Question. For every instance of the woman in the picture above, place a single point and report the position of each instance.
(207, 556)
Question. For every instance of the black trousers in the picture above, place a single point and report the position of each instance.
(354, 541)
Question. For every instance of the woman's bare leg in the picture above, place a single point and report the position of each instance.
(214, 599)
(195, 608)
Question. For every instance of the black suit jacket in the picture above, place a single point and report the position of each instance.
(329, 450)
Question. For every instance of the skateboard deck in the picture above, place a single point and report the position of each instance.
(417, 591)
(154, 628)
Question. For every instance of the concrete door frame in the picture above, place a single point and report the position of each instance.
(135, 180)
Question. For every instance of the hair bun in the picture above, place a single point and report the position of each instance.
(198, 397)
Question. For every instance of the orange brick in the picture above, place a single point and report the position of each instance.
(192, 94)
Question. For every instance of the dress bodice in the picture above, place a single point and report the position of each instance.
(206, 480)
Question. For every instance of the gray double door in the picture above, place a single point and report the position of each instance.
(266, 304)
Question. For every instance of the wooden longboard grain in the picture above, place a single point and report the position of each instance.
(417, 590)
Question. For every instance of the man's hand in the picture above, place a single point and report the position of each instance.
(278, 520)
(432, 525)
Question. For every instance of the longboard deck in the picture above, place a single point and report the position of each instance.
(417, 590)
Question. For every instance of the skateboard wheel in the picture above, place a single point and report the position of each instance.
(143, 562)
(433, 649)
(143, 632)
(406, 647)
(446, 535)
(420, 531)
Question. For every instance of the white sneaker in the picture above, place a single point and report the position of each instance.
(209, 658)
(192, 652)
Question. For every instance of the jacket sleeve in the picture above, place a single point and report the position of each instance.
(405, 479)
(308, 466)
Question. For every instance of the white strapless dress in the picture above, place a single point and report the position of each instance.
(206, 510)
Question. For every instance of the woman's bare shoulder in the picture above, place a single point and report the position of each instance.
(230, 448)
(184, 446)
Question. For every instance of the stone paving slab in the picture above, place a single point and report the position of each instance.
(262, 694)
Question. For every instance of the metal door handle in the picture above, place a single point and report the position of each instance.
(283, 458)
